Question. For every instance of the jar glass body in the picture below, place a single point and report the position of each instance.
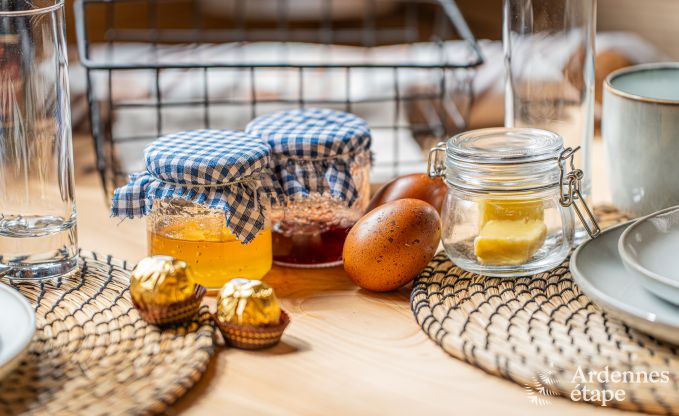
(310, 231)
(506, 234)
(198, 236)
(503, 214)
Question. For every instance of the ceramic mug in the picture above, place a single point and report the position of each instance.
(640, 128)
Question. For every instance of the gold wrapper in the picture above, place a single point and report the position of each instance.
(248, 302)
(161, 280)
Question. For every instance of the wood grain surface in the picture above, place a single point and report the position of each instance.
(346, 352)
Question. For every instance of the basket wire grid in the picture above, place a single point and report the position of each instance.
(180, 61)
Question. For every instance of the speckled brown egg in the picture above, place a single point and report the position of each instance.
(391, 244)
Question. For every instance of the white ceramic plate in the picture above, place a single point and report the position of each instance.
(649, 248)
(17, 326)
(597, 269)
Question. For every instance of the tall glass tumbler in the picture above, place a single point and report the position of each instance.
(37, 205)
(549, 57)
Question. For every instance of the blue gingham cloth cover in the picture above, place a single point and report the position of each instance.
(220, 169)
(313, 150)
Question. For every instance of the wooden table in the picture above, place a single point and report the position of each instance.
(347, 351)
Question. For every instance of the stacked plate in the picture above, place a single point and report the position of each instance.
(632, 272)
(17, 326)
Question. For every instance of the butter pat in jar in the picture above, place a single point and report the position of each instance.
(510, 231)
(204, 196)
(512, 195)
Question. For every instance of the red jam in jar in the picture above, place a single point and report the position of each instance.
(321, 164)
(319, 248)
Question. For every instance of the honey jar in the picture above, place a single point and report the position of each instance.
(321, 163)
(513, 195)
(206, 195)
(199, 236)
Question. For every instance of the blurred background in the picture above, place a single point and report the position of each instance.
(655, 20)
(410, 67)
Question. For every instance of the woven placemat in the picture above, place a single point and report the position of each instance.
(544, 334)
(93, 355)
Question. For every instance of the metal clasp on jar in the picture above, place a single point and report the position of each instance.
(436, 166)
(570, 182)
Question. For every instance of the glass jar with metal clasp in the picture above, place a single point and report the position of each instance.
(511, 198)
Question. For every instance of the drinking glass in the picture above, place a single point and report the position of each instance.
(37, 206)
(549, 57)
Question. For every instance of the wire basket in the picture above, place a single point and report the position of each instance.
(154, 67)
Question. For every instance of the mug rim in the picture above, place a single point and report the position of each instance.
(32, 12)
(640, 68)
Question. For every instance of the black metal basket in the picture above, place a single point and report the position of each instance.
(405, 66)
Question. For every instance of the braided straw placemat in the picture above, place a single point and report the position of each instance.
(93, 355)
(541, 332)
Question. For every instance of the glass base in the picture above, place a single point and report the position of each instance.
(309, 266)
(39, 271)
(509, 271)
(580, 235)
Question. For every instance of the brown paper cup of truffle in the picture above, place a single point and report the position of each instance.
(174, 313)
(252, 337)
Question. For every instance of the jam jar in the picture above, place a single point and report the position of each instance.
(206, 195)
(321, 162)
(512, 196)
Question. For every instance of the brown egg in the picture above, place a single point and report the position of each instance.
(607, 61)
(391, 244)
(416, 185)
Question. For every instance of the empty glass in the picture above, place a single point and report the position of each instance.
(549, 56)
(37, 207)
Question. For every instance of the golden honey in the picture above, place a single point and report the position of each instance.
(211, 250)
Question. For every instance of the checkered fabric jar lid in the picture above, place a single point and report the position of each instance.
(313, 150)
(219, 169)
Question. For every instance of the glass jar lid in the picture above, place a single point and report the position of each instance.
(505, 146)
(513, 161)
(503, 160)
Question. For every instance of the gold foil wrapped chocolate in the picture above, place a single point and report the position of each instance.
(248, 302)
(161, 281)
